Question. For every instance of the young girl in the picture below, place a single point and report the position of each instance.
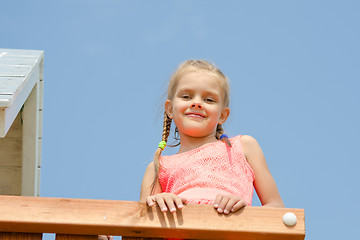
(209, 168)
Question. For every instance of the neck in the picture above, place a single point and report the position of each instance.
(188, 143)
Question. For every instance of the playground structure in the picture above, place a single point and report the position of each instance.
(21, 104)
(25, 216)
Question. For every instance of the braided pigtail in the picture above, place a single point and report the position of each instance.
(221, 136)
(162, 144)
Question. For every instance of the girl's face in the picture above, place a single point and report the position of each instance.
(198, 105)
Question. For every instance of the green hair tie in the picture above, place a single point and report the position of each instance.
(162, 145)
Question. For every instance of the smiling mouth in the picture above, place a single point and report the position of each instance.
(195, 115)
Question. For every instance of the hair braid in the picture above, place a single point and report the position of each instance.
(219, 132)
(165, 135)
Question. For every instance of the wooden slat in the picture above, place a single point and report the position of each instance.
(15, 70)
(135, 219)
(75, 237)
(20, 236)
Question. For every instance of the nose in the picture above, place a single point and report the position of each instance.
(197, 106)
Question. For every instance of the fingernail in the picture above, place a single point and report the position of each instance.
(233, 210)
(180, 206)
(164, 209)
(226, 211)
(219, 210)
(151, 204)
(173, 210)
(216, 205)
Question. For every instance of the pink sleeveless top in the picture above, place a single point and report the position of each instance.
(200, 174)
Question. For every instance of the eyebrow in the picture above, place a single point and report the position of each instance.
(191, 90)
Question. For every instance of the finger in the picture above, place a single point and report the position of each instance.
(217, 200)
(222, 204)
(102, 237)
(179, 202)
(150, 201)
(160, 201)
(230, 204)
(170, 204)
(240, 204)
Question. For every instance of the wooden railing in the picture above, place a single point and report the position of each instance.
(26, 218)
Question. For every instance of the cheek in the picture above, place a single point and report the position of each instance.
(179, 106)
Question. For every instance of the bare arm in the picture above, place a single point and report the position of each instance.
(146, 184)
(264, 183)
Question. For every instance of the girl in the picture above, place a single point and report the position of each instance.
(209, 168)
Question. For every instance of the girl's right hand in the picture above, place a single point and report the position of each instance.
(166, 201)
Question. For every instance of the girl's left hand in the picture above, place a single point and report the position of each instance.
(104, 237)
(228, 203)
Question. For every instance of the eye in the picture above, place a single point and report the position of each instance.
(186, 97)
(210, 100)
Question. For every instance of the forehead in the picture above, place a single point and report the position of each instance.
(199, 80)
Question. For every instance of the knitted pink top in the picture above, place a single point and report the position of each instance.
(200, 174)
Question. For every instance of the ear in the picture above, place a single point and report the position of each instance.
(168, 108)
(224, 115)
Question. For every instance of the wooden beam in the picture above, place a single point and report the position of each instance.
(30, 161)
(135, 219)
(20, 236)
(75, 237)
(140, 238)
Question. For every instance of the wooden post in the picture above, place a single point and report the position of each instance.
(30, 162)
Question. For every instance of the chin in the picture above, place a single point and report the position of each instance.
(196, 133)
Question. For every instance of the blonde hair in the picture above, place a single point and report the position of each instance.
(184, 68)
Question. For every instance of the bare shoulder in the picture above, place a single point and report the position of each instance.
(247, 139)
(252, 151)
(249, 143)
(150, 170)
(151, 164)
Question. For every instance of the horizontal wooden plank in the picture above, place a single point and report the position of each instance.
(20, 236)
(135, 219)
(20, 53)
(75, 237)
(8, 89)
(5, 99)
(15, 70)
(11, 79)
(12, 60)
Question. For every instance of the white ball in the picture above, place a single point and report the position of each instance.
(289, 219)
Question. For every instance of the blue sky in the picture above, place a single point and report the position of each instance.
(294, 73)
